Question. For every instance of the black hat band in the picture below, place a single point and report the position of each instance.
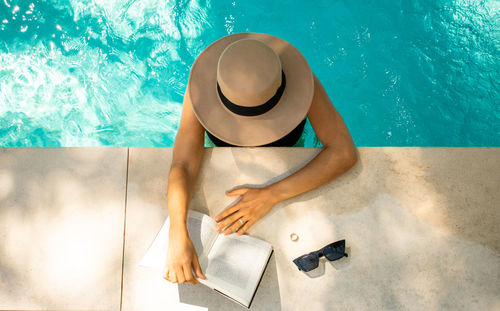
(256, 110)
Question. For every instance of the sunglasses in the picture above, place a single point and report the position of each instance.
(333, 251)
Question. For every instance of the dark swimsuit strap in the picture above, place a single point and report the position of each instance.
(287, 141)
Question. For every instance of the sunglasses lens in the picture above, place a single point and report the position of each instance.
(335, 250)
(307, 262)
(334, 255)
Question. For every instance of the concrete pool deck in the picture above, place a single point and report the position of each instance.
(422, 227)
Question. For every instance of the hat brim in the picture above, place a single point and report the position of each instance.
(257, 130)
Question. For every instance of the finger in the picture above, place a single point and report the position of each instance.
(244, 228)
(197, 268)
(164, 273)
(179, 274)
(236, 192)
(228, 221)
(233, 226)
(227, 212)
(170, 276)
(189, 274)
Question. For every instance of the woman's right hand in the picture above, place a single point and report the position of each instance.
(181, 257)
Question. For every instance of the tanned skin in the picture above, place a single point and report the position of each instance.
(337, 156)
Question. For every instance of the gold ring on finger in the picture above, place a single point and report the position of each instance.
(241, 221)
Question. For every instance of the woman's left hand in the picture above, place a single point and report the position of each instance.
(254, 204)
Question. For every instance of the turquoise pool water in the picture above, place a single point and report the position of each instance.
(113, 72)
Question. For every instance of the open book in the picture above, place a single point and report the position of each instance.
(233, 264)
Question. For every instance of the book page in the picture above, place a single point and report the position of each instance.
(235, 264)
(201, 230)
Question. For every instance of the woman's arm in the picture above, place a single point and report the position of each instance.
(337, 156)
(186, 159)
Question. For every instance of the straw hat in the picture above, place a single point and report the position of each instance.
(250, 89)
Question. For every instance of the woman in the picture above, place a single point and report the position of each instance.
(249, 89)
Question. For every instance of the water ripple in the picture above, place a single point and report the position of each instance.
(113, 72)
